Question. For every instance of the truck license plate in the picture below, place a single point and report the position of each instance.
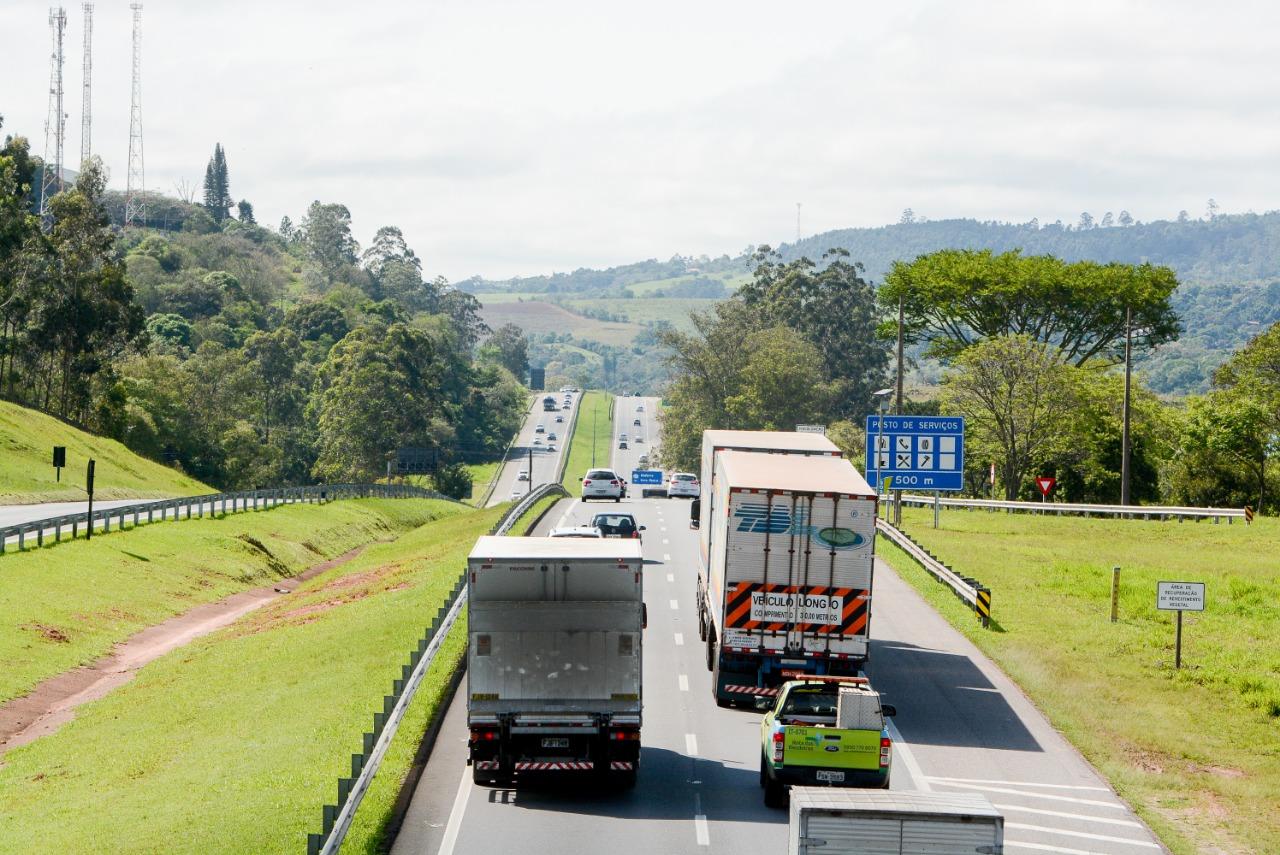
(830, 777)
(563, 742)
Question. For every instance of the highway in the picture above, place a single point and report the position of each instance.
(545, 462)
(962, 726)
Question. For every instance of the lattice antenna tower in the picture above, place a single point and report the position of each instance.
(135, 203)
(86, 91)
(55, 125)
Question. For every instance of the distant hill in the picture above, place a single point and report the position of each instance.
(1229, 268)
(27, 439)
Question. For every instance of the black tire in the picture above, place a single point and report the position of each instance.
(775, 793)
(702, 624)
(764, 771)
(625, 780)
(711, 652)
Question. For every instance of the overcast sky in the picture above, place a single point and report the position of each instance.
(513, 138)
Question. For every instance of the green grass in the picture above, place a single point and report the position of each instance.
(481, 475)
(233, 743)
(541, 317)
(66, 605)
(595, 405)
(673, 310)
(529, 517)
(27, 439)
(1196, 751)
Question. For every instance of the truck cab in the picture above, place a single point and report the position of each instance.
(824, 731)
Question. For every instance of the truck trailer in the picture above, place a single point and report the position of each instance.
(554, 658)
(549, 404)
(855, 822)
(788, 586)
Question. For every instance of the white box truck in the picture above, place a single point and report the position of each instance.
(554, 657)
(828, 821)
(788, 586)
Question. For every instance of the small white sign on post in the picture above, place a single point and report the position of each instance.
(1180, 596)
(822, 429)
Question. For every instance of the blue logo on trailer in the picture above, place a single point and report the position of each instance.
(917, 452)
(757, 518)
(646, 476)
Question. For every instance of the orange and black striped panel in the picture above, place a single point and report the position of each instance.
(853, 615)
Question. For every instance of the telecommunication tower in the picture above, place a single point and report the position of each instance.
(135, 203)
(55, 125)
(86, 92)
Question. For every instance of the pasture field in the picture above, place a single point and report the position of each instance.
(66, 605)
(673, 310)
(27, 475)
(1197, 750)
(597, 405)
(232, 743)
(538, 317)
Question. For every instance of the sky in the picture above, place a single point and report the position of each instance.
(520, 138)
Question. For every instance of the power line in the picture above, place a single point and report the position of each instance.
(135, 205)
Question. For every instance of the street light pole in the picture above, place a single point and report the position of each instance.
(1124, 435)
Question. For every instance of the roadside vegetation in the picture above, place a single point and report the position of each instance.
(66, 605)
(592, 434)
(532, 516)
(27, 438)
(259, 719)
(1194, 750)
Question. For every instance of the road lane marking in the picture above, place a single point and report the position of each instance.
(691, 744)
(1044, 847)
(700, 830)
(666, 556)
(903, 750)
(1083, 817)
(1015, 783)
(573, 506)
(455, 816)
(1029, 795)
(675, 605)
(684, 687)
(1085, 834)
(671, 577)
(679, 639)
(665, 541)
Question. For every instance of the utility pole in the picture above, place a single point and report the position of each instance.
(1124, 437)
(55, 125)
(86, 91)
(135, 201)
(897, 494)
(529, 489)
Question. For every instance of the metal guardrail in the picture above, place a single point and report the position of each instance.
(197, 506)
(1161, 512)
(973, 592)
(506, 457)
(337, 818)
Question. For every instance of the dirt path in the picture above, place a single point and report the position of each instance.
(52, 703)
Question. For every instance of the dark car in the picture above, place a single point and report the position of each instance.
(617, 525)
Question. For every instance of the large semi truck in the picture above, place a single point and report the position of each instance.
(788, 584)
(554, 657)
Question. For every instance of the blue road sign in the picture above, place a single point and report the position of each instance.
(918, 452)
(646, 476)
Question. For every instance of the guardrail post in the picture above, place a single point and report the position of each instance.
(40, 535)
(57, 533)
(983, 605)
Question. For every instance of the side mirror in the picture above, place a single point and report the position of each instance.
(888, 710)
(644, 528)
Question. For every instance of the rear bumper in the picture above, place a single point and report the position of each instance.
(807, 776)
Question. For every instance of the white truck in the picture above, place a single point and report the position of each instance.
(827, 821)
(787, 590)
(554, 658)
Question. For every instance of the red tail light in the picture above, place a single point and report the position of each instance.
(586, 482)
(613, 483)
(886, 746)
(484, 735)
(625, 735)
(778, 738)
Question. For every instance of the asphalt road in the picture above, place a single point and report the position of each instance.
(963, 727)
(544, 462)
(15, 514)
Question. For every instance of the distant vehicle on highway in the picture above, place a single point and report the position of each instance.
(617, 525)
(684, 484)
(540, 429)
(551, 446)
(622, 444)
(638, 439)
(640, 408)
(576, 531)
(559, 419)
(602, 484)
(549, 403)
(551, 436)
(523, 475)
(537, 442)
(636, 423)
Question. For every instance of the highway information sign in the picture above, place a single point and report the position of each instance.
(646, 476)
(918, 452)
(1180, 596)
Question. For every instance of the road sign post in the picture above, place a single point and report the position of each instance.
(1179, 597)
(1115, 593)
(1046, 485)
(59, 460)
(88, 486)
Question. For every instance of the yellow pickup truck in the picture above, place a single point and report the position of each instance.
(824, 731)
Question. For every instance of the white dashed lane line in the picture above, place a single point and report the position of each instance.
(1086, 835)
(684, 683)
(691, 744)
(671, 577)
(675, 605)
(666, 556)
(679, 639)
(1105, 820)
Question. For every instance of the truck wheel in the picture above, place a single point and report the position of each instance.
(711, 650)
(625, 780)
(764, 771)
(702, 623)
(775, 793)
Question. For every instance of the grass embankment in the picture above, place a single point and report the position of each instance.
(27, 475)
(533, 515)
(1196, 751)
(66, 605)
(597, 406)
(233, 743)
(482, 474)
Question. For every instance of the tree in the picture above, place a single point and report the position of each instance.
(173, 330)
(1086, 220)
(452, 479)
(1108, 220)
(1126, 219)
(781, 384)
(1239, 428)
(287, 231)
(955, 298)
(908, 217)
(217, 186)
(1017, 398)
(326, 232)
(246, 213)
(1211, 209)
(509, 348)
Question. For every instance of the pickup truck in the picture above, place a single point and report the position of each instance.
(824, 731)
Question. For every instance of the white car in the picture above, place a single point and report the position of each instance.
(559, 419)
(639, 408)
(540, 429)
(537, 442)
(523, 476)
(577, 531)
(683, 484)
(602, 484)
(551, 446)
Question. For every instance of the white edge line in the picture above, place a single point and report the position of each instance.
(455, 817)
(1044, 847)
(1016, 784)
(902, 749)
(1027, 794)
(1083, 817)
(1084, 834)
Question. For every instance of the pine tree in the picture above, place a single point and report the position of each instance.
(217, 186)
